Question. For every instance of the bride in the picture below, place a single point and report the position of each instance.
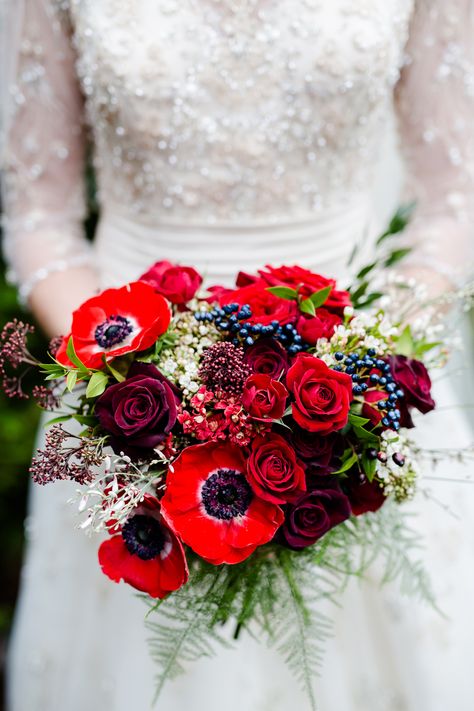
(227, 134)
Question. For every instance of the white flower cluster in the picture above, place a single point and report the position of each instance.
(180, 362)
(397, 470)
(371, 329)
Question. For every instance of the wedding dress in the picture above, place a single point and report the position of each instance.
(228, 134)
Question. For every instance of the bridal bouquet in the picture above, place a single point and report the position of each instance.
(232, 446)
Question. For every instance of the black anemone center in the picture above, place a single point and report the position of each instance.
(143, 536)
(226, 494)
(113, 331)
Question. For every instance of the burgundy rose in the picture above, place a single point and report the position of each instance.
(364, 495)
(176, 283)
(264, 398)
(313, 515)
(307, 282)
(140, 412)
(322, 325)
(320, 453)
(322, 396)
(273, 470)
(267, 356)
(413, 378)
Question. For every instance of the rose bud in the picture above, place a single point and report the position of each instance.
(264, 398)
(176, 283)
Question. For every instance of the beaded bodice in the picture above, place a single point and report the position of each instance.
(233, 113)
(204, 110)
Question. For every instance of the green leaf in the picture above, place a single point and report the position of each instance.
(405, 345)
(88, 420)
(374, 296)
(396, 256)
(364, 435)
(283, 292)
(307, 307)
(71, 380)
(74, 358)
(347, 464)
(97, 384)
(116, 373)
(318, 298)
(398, 222)
(366, 270)
(57, 420)
(357, 420)
(369, 466)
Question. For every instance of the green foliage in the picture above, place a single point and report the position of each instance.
(360, 292)
(282, 597)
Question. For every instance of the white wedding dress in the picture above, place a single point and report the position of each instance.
(228, 134)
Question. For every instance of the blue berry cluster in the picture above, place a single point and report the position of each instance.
(232, 320)
(361, 368)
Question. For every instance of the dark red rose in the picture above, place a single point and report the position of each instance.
(273, 470)
(210, 504)
(267, 356)
(413, 378)
(140, 412)
(176, 283)
(146, 554)
(322, 396)
(322, 325)
(363, 494)
(116, 322)
(264, 398)
(313, 515)
(265, 306)
(320, 453)
(307, 282)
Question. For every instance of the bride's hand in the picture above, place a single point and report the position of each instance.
(54, 299)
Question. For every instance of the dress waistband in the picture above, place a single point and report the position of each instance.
(126, 245)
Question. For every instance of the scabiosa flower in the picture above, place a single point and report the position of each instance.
(212, 507)
(146, 553)
(223, 368)
(116, 322)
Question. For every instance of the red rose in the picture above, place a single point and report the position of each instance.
(321, 396)
(322, 325)
(413, 378)
(263, 397)
(307, 283)
(146, 553)
(211, 505)
(265, 306)
(369, 409)
(267, 356)
(176, 283)
(116, 322)
(273, 470)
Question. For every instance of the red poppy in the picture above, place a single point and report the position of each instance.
(116, 322)
(146, 554)
(212, 507)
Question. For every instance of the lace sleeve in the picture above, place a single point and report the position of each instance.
(435, 104)
(42, 146)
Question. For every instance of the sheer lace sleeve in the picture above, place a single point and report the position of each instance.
(42, 146)
(435, 103)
